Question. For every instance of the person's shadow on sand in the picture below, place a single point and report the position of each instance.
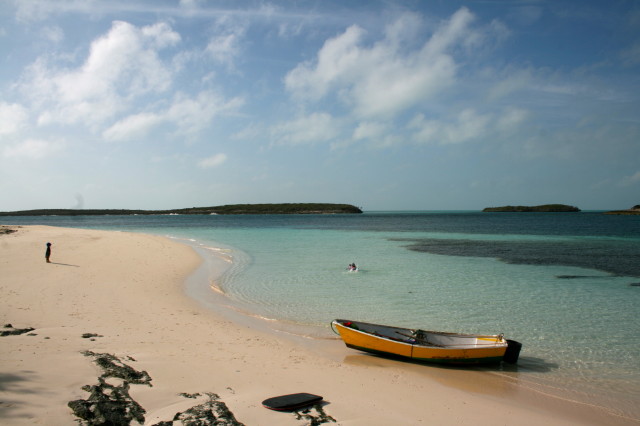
(64, 264)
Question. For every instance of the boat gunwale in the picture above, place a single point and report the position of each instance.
(497, 344)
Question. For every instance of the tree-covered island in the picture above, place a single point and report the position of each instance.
(545, 208)
(286, 208)
(632, 211)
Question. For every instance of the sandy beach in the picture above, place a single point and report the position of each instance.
(123, 294)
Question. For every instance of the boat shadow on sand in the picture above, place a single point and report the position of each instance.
(498, 379)
(526, 364)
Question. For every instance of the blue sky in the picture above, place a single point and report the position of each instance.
(387, 105)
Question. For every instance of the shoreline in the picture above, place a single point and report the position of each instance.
(131, 290)
(502, 380)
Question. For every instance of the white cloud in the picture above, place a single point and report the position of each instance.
(194, 114)
(161, 34)
(316, 127)
(250, 132)
(513, 82)
(13, 117)
(376, 134)
(122, 65)
(471, 125)
(224, 48)
(631, 180)
(453, 31)
(213, 161)
(339, 59)
(53, 34)
(382, 80)
(189, 114)
(511, 118)
(499, 30)
(369, 130)
(467, 126)
(32, 149)
(631, 55)
(126, 56)
(134, 126)
(396, 86)
(225, 45)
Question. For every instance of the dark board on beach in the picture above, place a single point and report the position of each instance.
(286, 208)
(291, 402)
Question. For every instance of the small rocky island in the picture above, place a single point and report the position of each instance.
(545, 208)
(287, 208)
(633, 210)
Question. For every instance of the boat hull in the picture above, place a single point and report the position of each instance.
(445, 348)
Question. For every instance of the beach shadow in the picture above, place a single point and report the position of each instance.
(16, 384)
(315, 414)
(499, 379)
(384, 361)
(64, 264)
(525, 364)
(8, 408)
(8, 381)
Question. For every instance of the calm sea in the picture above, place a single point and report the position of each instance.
(566, 285)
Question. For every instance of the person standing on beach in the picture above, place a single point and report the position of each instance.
(47, 254)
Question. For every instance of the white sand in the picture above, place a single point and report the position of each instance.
(129, 288)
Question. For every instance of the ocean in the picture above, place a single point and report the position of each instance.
(565, 285)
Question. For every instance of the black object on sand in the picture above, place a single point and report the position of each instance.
(291, 402)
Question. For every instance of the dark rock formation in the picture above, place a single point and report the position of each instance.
(110, 404)
(112, 366)
(107, 405)
(4, 230)
(315, 415)
(209, 413)
(90, 336)
(10, 331)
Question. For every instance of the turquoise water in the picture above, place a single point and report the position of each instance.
(562, 284)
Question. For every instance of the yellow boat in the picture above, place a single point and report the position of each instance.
(426, 346)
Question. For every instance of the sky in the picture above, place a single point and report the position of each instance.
(386, 105)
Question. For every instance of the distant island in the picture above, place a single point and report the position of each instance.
(287, 208)
(632, 210)
(546, 208)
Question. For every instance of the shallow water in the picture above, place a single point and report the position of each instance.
(559, 283)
